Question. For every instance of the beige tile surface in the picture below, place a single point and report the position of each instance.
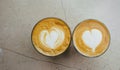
(17, 18)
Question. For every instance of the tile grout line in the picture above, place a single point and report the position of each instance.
(63, 9)
(36, 58)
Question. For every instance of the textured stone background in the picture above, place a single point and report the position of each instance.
(17, 18)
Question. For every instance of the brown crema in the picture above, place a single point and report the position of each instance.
(47, 24)
(89, 25)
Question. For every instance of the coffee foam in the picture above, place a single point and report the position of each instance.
(52, 38)
(92, 38)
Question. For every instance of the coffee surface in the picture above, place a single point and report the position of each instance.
(51, 36)
(91, 38)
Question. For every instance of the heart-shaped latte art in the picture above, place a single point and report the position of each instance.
(92, 38)
(52, 38)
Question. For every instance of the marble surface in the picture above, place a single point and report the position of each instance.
(17, 18)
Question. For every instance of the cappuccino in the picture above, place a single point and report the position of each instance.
(91, 38)
(51, 36)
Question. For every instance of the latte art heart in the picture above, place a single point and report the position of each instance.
(92, 38)
(52, 38)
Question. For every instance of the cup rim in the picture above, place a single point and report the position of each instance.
(51, 18)
(96, 55)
